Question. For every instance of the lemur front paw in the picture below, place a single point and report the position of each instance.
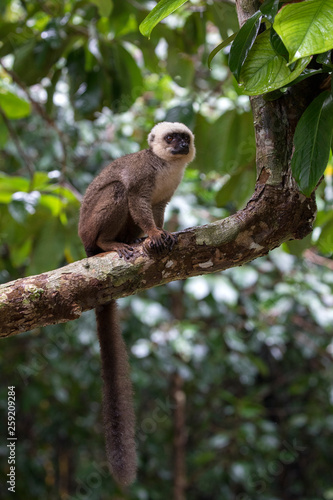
(159, 241)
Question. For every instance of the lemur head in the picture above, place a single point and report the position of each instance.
(172, 141)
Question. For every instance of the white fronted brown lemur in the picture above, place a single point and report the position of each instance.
(124, 202)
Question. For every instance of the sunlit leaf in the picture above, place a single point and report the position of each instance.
(163, 9)
(13, 106)
(306, 28)
(264, 70)
(11, 184)
(325, 58)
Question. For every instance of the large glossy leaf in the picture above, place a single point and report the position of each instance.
(163, 9)
(13, 106)
(264, 70)
(312, 142)
(306, 28)
(243, 43)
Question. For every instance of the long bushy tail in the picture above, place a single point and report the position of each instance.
(118, 412)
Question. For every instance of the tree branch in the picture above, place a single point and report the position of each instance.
(273, 215)
(277, 212)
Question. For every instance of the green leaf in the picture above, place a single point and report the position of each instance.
(306, 28)
(13, 106)
(243, 43)
(33, 60)
(3, 133)
(325, 241)
(312, 141)
(325, 58)
(163, 9)
(221, 46)
(278, 45)
(48, 246)
(20, 253)
(12, 184)
(269, 9)
(306, 74)
(52, 203)
(104, 7)
(264, 70)
(40, 181)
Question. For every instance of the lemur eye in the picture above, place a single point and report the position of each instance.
(168, 138)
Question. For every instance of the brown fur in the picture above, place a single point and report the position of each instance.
(118, 412)
(123, 203)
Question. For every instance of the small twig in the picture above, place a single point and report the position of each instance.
(313, 257)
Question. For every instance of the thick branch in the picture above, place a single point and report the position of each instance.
(277, 212)
(273, 215)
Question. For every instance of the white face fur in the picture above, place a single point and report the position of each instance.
(159, 146)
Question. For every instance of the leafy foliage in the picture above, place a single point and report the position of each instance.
(264, 64)
(265, 70)
(163, 9)
(305, 29)
(252, 347)
(277, 58)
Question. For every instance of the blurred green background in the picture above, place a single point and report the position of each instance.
(232, 372)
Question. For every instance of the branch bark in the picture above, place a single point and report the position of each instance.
(277, 212)
(273, 215)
